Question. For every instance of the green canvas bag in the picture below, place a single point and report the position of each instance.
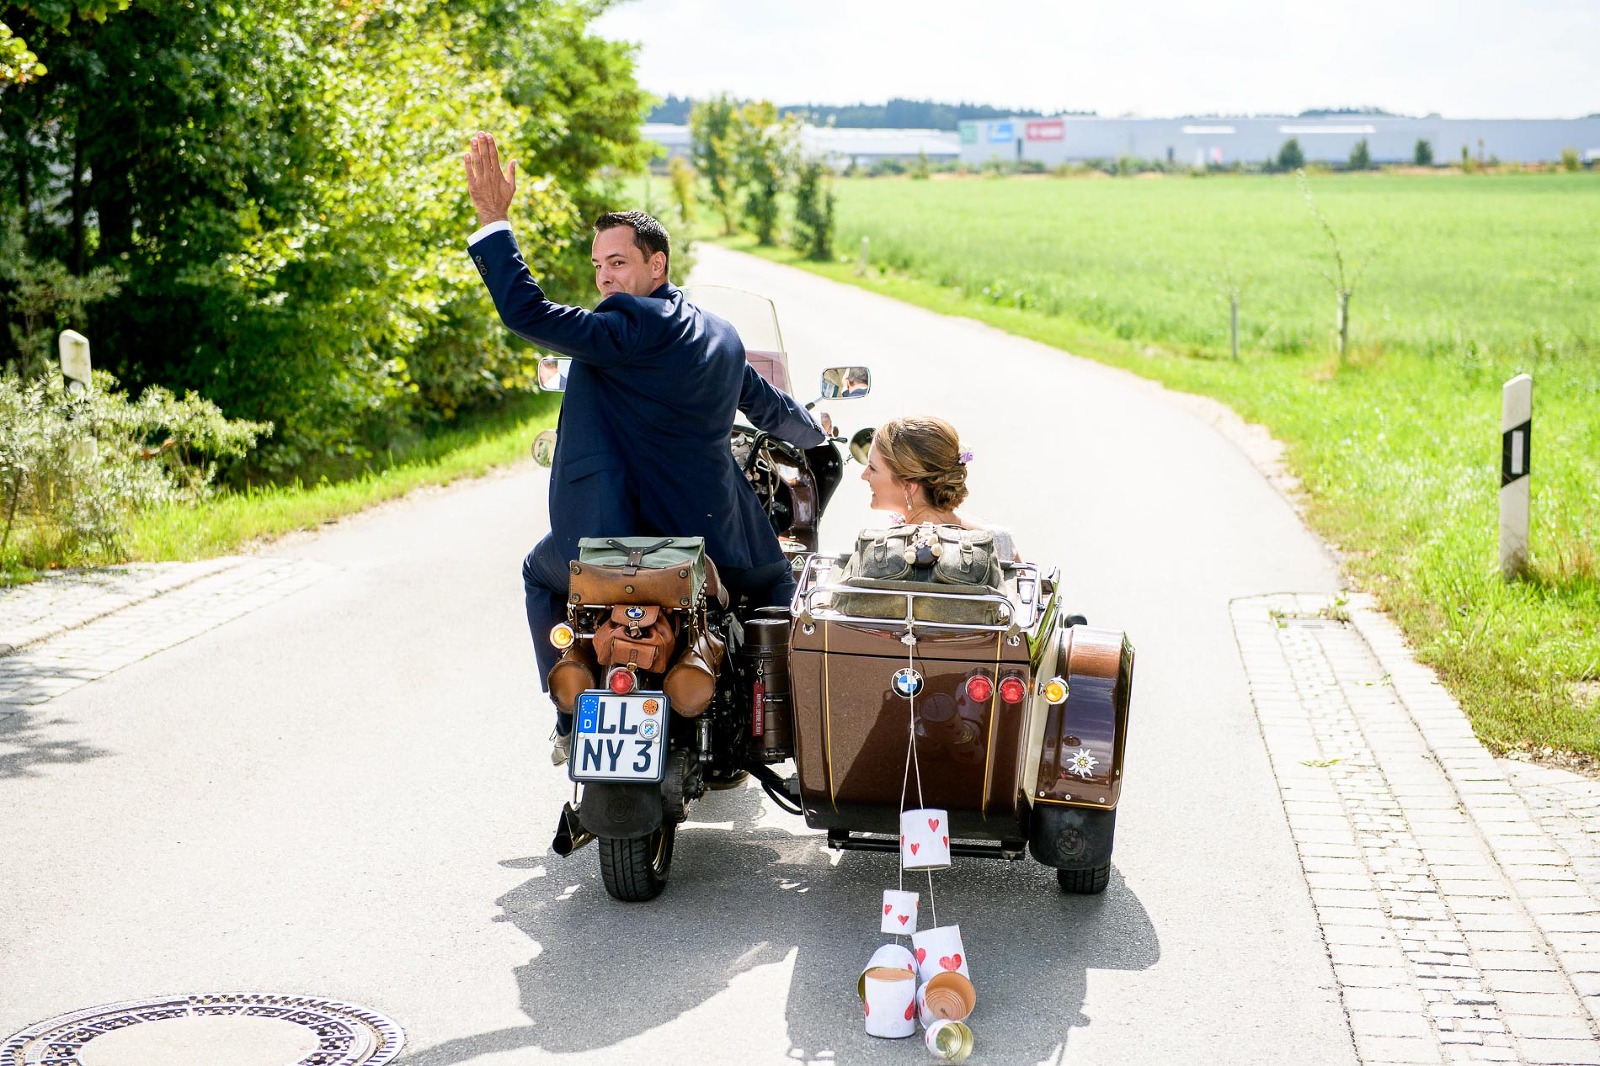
(668, 571)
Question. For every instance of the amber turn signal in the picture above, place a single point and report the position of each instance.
(1055, 690)
(562, 636)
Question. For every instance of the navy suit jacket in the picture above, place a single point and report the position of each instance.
(642, 442)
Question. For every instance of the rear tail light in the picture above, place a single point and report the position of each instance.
(1012, 689)
(621, 681)
(979, 688)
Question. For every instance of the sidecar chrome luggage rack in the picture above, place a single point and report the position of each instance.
(818, 590)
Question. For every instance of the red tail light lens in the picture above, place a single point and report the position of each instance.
(621, 681)
(979, 688)
(1012, 690)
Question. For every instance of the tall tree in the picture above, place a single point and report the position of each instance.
(18, 62)
(278, 185)
(713, 137)
(765, 150)
(813, 211)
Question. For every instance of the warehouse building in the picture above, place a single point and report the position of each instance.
(1224, 141)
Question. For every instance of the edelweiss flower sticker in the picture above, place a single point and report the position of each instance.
(1082, 763)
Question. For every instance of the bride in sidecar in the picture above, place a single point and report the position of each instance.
(1020, 710)
(917, 471)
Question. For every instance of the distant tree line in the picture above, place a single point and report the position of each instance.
(1341, 112)
(263, 201)
(898, 113)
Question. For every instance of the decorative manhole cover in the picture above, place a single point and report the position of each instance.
(241, 1028)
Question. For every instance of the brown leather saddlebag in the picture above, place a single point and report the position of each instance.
(572, 673)
(669, 571)
(604, 585)
(692, 681)
(635, 635)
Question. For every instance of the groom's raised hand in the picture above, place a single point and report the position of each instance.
(490, 188)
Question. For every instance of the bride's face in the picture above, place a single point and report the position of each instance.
(888, 491)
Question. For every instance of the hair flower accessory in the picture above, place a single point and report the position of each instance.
(965, 457)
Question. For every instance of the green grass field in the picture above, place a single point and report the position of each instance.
(1465, 281)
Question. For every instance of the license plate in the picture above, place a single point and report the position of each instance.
(619, 738)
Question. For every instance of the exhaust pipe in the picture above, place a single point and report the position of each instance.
(570, 833)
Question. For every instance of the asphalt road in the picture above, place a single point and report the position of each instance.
(347, 793)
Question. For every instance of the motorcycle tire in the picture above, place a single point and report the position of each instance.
(1089, 882)
(636, 870)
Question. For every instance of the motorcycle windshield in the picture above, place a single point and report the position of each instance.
(756, 320)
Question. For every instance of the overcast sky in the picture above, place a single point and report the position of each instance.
(1462, 58)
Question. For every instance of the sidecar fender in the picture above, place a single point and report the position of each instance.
(620, 810)
(1075, 748)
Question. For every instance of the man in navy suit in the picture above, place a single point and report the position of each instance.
(642, 444)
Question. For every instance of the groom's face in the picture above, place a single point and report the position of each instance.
(620, 264)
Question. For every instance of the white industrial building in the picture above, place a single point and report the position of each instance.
(1224, 141)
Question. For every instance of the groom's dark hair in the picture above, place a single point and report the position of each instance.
(649, 235)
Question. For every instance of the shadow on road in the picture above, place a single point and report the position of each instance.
(28, 742)
(749, 897)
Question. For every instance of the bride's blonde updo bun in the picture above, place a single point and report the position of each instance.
(925, 450)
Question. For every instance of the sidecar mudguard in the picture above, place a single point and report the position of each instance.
(1075, 748)
(620, 810)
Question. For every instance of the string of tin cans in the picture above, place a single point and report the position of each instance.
(930, 982)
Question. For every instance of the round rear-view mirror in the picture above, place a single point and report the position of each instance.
(544, 448)
(861, 445)
(845, 382)
(553, 373)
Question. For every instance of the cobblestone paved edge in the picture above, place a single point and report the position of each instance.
(42, 609)
(1459, 930)
(108, 623)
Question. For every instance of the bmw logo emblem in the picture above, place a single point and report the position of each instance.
(635, 613)
(907, 683)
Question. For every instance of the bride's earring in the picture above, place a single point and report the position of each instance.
(908, 499)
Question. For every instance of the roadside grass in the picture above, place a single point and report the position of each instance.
(1470, 282)
(232, 520)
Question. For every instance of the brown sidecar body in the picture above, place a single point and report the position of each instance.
(1020, 718)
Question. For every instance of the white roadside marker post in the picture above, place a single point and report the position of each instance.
(77, 371)
(1516, 436)
(75, 367)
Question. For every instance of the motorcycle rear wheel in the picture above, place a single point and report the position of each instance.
(636, 870)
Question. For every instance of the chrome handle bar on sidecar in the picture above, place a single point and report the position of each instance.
(813, 583)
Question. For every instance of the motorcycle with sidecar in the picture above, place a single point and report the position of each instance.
(1013, 710)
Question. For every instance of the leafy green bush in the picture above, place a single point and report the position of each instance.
(1290, 156)
(1361, 156)
(1423, 155)
(75, 466)
(813, 212)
